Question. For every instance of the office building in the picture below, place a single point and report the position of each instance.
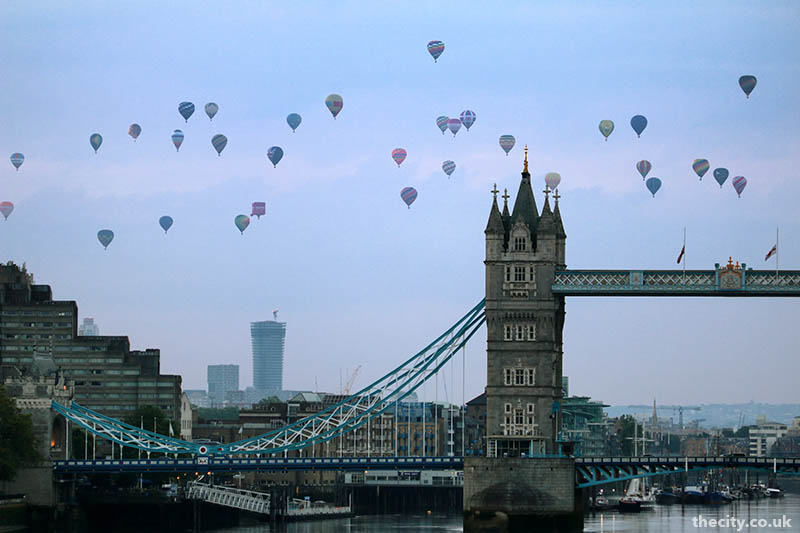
(88, 328)
(764, 436)
(267, 340)
(221, 380)
(109, 377)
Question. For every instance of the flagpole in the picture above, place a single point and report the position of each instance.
(684, 252)
(777, 255)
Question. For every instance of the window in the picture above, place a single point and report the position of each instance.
(519, 273)
(508, 407)
(507, 380)
(531, 332)
(508, 273)
(520, 379)
(520, 333)
(508, 332)
(530, 408)
(519, 244)
(531, 379)
(518, 418)
(532, 274)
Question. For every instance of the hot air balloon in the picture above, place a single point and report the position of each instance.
(638, 123)
(186, 109)
(700, 167)
(448, 167)
(454, 124)
(409, 194)
(747, 83)
(435, 49)
(17, 159)
(165, 222)
(275, 154)
(468, 118)
(335, 104)
(442, 123)
(507, 142)
(720, 174)
(6, 208)
(95, 139)
(739, 183)
(134, 130)
(294, 120)
(105, 236)
(399, 155)
(177, 139)
(606, 127)
(211, 110)
(643, 167)
(219, 141)
(653, 184)
(242, 221)
(259, 208)
(552, 179)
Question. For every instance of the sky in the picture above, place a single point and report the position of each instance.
(360, 279)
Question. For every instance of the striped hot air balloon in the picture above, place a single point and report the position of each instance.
(408, 194)
(6, 208)
(448, 167)
(17, 159)
(177, 139)
(186, 109)
(219, 142)
(399, 155)
(468, 118)
(442, 123)
(700, 167)
(507, 142)
(643, 167)
(435, 49)
(739, 183)
(454, 124)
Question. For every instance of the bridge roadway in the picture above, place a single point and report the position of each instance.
(589, 471)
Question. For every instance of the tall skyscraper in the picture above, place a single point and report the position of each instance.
(88, 328)
(267, 339)
(221, 380)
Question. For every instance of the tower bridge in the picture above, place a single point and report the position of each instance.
(527, 474)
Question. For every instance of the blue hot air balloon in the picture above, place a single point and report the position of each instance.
(275, 154)
(105, 236)
(468, 118)
(747, 83)
(186, 109)
(211, 110)
(653, 184)
(95, 139)
(219, 142)
(294, 120)
(165, 222)
(17, 159)
(638, 123)
(720, 174)
(134, 130)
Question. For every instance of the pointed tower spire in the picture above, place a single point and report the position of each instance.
(547, 223)
(495, 224)
(557, 217)
(525, 204)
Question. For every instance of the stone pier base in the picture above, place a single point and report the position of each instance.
(521, 494)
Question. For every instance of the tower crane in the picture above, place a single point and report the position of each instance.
(351, 380)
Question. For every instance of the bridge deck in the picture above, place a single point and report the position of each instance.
(725, 281)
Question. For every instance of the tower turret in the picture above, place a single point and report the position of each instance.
(495, 230)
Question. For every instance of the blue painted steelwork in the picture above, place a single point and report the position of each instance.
(591, 471)
(344, 417)
(729, 280)
(203, 464)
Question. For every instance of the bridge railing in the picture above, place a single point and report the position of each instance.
(256, 502)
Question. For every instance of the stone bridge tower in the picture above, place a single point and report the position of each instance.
(524, 322)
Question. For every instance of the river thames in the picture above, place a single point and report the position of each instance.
(778, 514)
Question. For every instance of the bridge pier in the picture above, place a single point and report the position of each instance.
(521, 494)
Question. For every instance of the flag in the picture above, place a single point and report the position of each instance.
(772, 251)
(680, 256)
(171, 433)
(241, 429)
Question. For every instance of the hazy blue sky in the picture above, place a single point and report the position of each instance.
(359, 278)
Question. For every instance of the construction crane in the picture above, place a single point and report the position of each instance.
(275, 314)
(351, 380)
(681, 409)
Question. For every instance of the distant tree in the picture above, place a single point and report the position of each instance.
(727, 432)
(624, 430)
(150, 418)
(17, 442)
(264, 402)
(742, 432)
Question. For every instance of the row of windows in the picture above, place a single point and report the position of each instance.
(519, 377)
(519, 421)
(37, 313)
(36, 324)
(519, 273)
(519, 332)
